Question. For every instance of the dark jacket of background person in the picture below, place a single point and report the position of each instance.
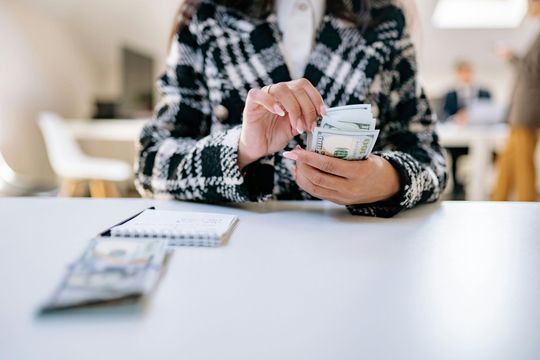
(189, 151)
(525, 109)
(452, 104)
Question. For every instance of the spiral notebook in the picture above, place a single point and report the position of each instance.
(180, 228)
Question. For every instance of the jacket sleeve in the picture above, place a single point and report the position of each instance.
(484, 94)
(178, 157)
(408, 140)
(450, 106)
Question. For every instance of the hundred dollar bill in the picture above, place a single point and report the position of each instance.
(346, 132)
(352, 113)
(343, 144)
(111, 270)
(348, 118)
(345, 125)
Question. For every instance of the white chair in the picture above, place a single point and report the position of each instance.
(75, 168)
(11, 183)
(14, 184)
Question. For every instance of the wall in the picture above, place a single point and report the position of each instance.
(42, 68)
(103, 27)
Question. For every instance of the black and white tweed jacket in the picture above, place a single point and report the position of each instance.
(189, 150)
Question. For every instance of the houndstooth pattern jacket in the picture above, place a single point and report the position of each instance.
(189, 150)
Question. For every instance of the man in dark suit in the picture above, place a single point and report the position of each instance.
(456, 104)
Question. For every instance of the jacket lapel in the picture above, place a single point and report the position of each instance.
(342, 65)
(345, 61)
(266, 38)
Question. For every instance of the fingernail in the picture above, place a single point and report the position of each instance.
(298, 147)
(279, 111)
(313, 126)
(300, 122)
(323, 110)
(290, 155)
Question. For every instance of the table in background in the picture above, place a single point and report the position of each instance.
(482, 141)
(119, 130)
(115, 138)
(296, 281)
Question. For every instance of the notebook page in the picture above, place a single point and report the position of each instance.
(176, 224)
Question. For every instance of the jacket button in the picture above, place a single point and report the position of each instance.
(221, 113)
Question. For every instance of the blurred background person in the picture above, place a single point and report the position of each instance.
(516, 167)
(466, 92)
(457, 101)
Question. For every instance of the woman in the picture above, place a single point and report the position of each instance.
(246, 79)
(516, 167)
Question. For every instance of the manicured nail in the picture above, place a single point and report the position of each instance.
(279, 110)
(323, 110)
(299, 126)
(290, 155)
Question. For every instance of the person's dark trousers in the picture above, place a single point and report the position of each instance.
(458, 192)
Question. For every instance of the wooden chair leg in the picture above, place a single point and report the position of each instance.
(111, 189)
(97, 188)
(103, 189)
(73, 188)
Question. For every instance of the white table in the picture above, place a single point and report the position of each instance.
(296, 281)
(482, 141)
(113, 139)
(118, 130)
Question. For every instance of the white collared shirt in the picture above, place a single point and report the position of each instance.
(299, 21)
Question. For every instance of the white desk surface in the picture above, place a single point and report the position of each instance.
(117, 130)
(296, 281)
(451, 134)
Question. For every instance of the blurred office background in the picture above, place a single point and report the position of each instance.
(93, 64)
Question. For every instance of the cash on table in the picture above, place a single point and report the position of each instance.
(110, 271)
(125, 263)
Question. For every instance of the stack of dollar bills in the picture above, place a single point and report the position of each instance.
(346, 132)
(110, 271)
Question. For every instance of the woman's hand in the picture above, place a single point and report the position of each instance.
(505, 53)
(462, 117)
(345, 182)
(274, 115)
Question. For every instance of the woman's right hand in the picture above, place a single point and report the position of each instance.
(275, 114)
(505, 53)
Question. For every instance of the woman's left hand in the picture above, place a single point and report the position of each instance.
(342, 181)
